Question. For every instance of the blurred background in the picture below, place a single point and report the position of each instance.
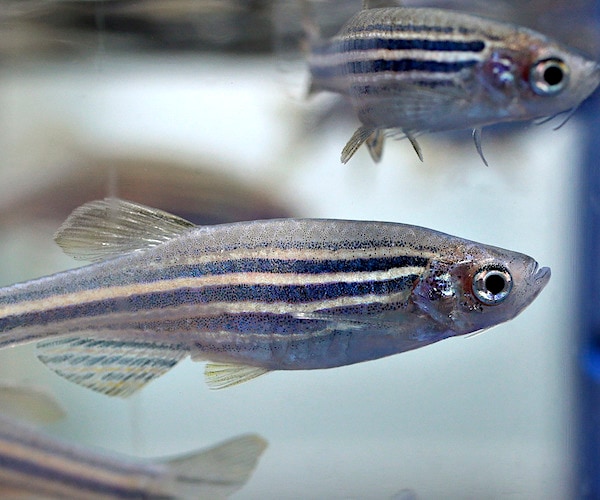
(199, 107)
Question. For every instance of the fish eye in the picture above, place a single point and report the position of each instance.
(491, 285)
(549, 76)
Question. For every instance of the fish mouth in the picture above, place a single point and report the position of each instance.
(540, 276)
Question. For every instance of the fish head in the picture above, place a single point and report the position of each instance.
(533, 77)
(477, 287)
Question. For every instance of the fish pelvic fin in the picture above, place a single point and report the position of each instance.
(217, 472)
(111, 367)
(103, 229)
(477, 140)
(356, 141)
(375, 144)
(416, 146)
(223, 375)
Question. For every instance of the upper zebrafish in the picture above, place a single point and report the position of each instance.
(415, 70)
(36, 465)
(251, 297)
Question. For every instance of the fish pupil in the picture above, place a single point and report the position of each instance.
(495, 284)
(549, 77)
(553, 75)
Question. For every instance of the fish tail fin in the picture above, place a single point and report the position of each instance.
(217, 472)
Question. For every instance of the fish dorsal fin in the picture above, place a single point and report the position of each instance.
(222, 375)
(106, 228)
(378, 4)
(29, 403)
(217, 472)
(112, 367)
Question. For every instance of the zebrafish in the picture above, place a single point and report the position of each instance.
(251, 297)
(408, 71)
(36, 465)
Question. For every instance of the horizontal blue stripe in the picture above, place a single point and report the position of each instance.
(238, 324)
(283, 266)
(388, 88)
(402, 65)
(294, 294)
(251, 265)
(394, 66)
(361, 44)
(408, 28)
(64, 478)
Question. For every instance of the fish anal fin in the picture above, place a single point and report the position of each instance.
(356, 141)
(111, 367)
(106, 228)
(223, 375)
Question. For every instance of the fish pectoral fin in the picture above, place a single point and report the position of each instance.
(477, 139)
(102, 229)
(222, 375)
(356, 141)
(112, 367)
(217, 472)
(33, 404)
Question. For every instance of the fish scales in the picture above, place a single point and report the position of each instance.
(279, 294)
(399, 36)
(338, 273)
(418, 70)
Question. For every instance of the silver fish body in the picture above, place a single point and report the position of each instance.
(250, 297)
(36, 465)
(415, 70)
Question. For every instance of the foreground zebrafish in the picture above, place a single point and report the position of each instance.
(287, 294)
(414, 70)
